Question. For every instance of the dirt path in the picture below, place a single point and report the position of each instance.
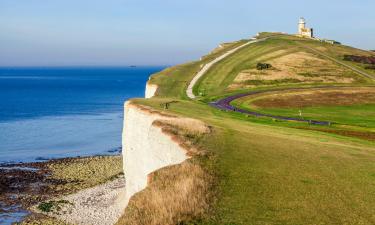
(224, 104)
(189, 90)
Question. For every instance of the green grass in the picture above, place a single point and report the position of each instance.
(267, 181)
(354, 115)
(85, 172)
(279, 175)
(173, 81)
(217, 79)
(362, 115)
(221, 75)
(338, 51)
(52, 206)
(269, 172)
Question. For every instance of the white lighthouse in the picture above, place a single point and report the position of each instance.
(303, 31)
(301, 24)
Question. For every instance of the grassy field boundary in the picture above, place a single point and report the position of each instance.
(339, 62)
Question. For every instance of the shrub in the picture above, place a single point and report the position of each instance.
(52, 205)
(372, 67)
(360, 59)
(263, 66)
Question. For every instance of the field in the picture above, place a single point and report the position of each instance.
(272, 171)
(293, 63)
(174, 80)
(273, 175)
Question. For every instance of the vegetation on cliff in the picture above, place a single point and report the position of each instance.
(268, 171)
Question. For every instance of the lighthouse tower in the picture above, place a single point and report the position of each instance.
(303, 31)
(301, 25)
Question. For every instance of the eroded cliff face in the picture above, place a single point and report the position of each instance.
(146, 147)
(150, 90)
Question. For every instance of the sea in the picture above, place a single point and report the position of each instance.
(48, 113)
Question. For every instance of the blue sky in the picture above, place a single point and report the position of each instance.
(162, 32)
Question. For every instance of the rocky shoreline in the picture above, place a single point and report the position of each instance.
(24, 186)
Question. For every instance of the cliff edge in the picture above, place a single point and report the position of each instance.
(150, 90)
(163, 182)
(145, 147)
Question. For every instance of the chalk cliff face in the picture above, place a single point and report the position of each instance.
(150, 90)
(145, 147)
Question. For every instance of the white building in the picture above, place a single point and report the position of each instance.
(303, 31)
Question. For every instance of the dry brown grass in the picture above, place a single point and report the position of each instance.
(365, 135)
(174, 194)
(299, 67)
(311, 98)
(321, 48)
(186, 132)
(178, 193)
(188, 125)
(43, 220)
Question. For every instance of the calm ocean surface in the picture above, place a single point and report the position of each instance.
(60, 112)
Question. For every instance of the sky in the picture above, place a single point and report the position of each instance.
(162, 32)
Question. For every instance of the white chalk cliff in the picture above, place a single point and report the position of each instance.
(150, 90)
(145, 147)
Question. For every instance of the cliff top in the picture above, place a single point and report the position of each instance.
(275, 162)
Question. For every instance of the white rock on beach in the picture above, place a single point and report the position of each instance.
(100, 205)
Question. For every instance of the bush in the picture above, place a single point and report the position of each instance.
(360, 59)
(46, 206)
(372, 67)
(52, 205)
(263, 66)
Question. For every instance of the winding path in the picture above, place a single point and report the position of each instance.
(189, 90)
(224, 104)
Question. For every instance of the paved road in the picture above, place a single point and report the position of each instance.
(189, 90)
(224, 104)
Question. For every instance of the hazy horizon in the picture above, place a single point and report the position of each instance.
(119, 33)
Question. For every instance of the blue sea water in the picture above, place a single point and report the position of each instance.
(63, 112)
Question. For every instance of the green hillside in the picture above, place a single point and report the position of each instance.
(294, 63)
(272, 171)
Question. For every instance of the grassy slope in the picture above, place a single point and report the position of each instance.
(354, 115)
(269, 173)
(218, 78)
(221, 75)
(173, 81)
(337, 52)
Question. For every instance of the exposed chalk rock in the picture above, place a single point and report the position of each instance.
(99, 205)
(150, 90)
(145, 147)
